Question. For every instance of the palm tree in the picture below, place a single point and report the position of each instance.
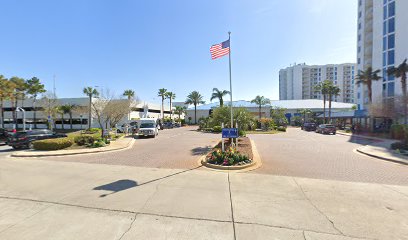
(401, 72)
(305, 112)
(322, 87)
(179, 111)
(260, 101)
(34, 87)
(90, 92)
(219, 94)
(130, 94)
(162, 93)
(367, 77)
(67, 109)
(171, 96)
(195, 98)
(332, 90)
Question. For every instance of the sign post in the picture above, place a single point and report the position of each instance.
(222, 139)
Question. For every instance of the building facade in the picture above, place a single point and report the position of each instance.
(299, 81)
(78, 118)
(382, 35)
(292, 108)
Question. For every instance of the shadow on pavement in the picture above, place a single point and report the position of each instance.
(363, 141)
(117, 186)
(200, 150)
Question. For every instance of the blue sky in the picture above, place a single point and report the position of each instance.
(151, 44)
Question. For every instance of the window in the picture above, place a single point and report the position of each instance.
(385, 28)
(391, 57)
(385, 12)
(391, 9)
(384, 74)
(390, 89)
(391, 25)
(358, 60)
(359, 25)
(359, 14)
(384, 59)
(384, 43)
(359, 37)
(359, 49)
(391, 41)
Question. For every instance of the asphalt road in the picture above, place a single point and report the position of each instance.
(307, 154)
(178, 148)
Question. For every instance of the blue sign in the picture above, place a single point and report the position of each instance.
(230, 133)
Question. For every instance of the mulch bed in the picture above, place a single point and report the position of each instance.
(244, 147)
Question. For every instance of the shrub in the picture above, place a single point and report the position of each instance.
(241, 133)
(85, 139)
(398, 131)
(93, 131)
(217, 129)
(52, 144)
(228, 158)
(266, 124)
(99, 143)
(281, 129)
(399, 145)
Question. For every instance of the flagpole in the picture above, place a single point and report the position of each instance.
(229, 39)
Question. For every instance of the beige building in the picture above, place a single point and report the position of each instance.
(299, 81)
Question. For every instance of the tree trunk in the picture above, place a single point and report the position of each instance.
(330, 102)
(404, 94)
(15, 113)
(70, 119)
(62, 121)
(260, 114)
(221, 102)
(171, 111)
(2, 113)
(324, 108)
(34, 113)
(162, 108)
(370, 97)
(195, 113)
(90, 112)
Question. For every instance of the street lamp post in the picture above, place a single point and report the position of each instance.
(19, 109)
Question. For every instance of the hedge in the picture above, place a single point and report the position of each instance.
(281, 129)
(52, 144)
(217, 129)
(86, 139)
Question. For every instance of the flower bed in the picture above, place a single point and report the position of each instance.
(240, 155)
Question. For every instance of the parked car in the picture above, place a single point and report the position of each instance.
(4, 135)
(177, 125)
(309, 127)
(326, 129)
(168, 125)
(25, 139)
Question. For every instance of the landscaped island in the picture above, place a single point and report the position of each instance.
(234, 156)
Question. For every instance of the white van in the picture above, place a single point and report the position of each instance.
(148, 127)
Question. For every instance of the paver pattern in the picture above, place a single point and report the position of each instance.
(307, 154)
(174, 148)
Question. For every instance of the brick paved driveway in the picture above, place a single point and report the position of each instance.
(178, 148)
(308, 154)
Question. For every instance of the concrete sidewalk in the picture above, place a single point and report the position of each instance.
(61, 200)
(380, 149)
(119, 144)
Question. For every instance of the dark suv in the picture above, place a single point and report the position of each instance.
(4, 135)
(309, 127)
(24, 139)
(326, 129)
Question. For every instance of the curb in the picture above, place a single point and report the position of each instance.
(129, 145)
(379, 157)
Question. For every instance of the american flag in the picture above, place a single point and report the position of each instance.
(219, 50)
